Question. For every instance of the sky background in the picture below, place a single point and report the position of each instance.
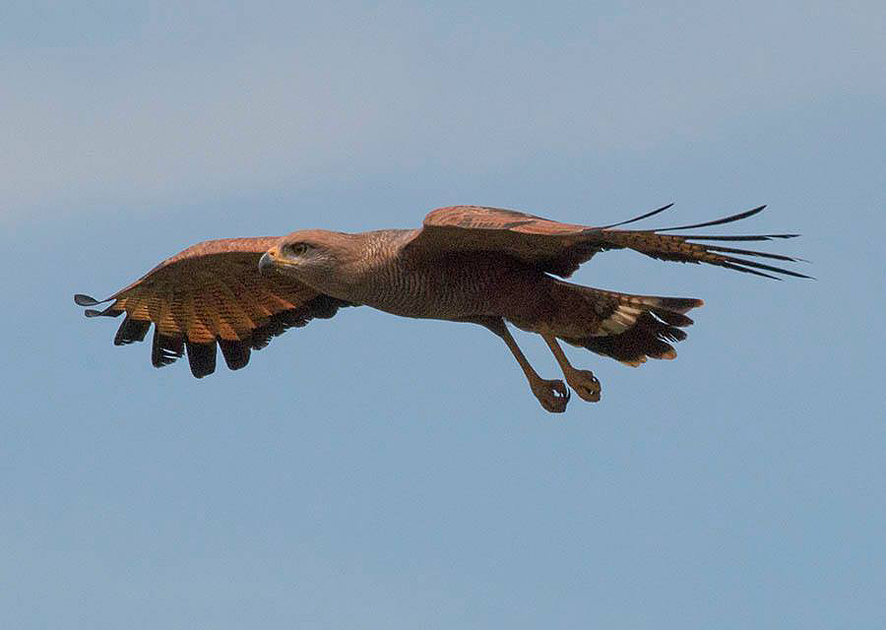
(376, 472)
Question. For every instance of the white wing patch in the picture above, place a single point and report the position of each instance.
(623, 318)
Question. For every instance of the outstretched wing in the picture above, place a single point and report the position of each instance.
(559, 248)
(212, 294)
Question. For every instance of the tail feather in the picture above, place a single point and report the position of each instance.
(630, 328)
(671, 317)
(648, 337)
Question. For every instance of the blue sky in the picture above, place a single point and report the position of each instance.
(370, 471)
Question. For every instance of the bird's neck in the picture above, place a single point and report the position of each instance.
(362, 262)
(373, 265)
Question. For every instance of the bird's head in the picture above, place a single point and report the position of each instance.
(318, 258)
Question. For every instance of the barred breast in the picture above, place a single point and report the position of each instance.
(453, 287)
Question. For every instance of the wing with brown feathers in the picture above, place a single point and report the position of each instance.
(551, 246)
(560, 248)
(212, 294)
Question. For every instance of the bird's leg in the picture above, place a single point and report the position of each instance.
(583, 382)
(552, 394)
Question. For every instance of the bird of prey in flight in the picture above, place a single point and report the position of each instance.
(473, 264)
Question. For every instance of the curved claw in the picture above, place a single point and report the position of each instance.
(585, 384)
(552, 394)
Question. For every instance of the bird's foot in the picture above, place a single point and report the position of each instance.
(553, 394)
(585, 384)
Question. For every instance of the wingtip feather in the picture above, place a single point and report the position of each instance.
(639, 218)
(81, 299)
(730, 219)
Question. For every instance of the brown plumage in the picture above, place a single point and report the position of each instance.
(466, 263)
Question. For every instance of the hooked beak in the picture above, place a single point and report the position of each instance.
(266, 262)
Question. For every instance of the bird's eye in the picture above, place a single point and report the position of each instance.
(297, 249)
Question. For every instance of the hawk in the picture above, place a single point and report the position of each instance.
(472, 264)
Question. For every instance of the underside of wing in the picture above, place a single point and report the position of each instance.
(560, 248)
(212, 295)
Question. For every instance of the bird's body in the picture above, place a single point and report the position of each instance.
(467, 264)
(449, 287)
(456, 287)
